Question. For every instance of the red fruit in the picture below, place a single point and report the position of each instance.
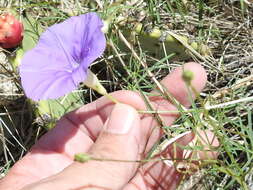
(11, 31)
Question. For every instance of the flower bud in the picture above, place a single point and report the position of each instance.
(188, 76)
(82, 157)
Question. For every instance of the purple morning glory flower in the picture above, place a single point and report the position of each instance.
(62, 56)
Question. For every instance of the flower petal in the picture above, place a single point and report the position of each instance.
(42, 80)
(94, 40)
(60, 60)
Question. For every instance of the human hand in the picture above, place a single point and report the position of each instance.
(107, 131)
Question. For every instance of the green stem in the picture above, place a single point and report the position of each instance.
(83, 157)
(114, 100)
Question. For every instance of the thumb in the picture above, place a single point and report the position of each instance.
(119, 140)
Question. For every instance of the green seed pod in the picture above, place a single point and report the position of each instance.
(194, 45)
(155, 41)
(188, 76)
(170, 38)
(138, 28)
(82, 157)
(155, 33)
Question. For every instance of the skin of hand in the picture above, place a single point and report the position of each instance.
(108, 131)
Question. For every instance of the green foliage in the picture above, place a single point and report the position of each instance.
(32, 31)
(237, 153)
(53, 110)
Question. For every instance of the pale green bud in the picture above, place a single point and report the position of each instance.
(188, 76)
(82, 157)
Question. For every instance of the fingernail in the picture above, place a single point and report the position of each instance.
(121, 119)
